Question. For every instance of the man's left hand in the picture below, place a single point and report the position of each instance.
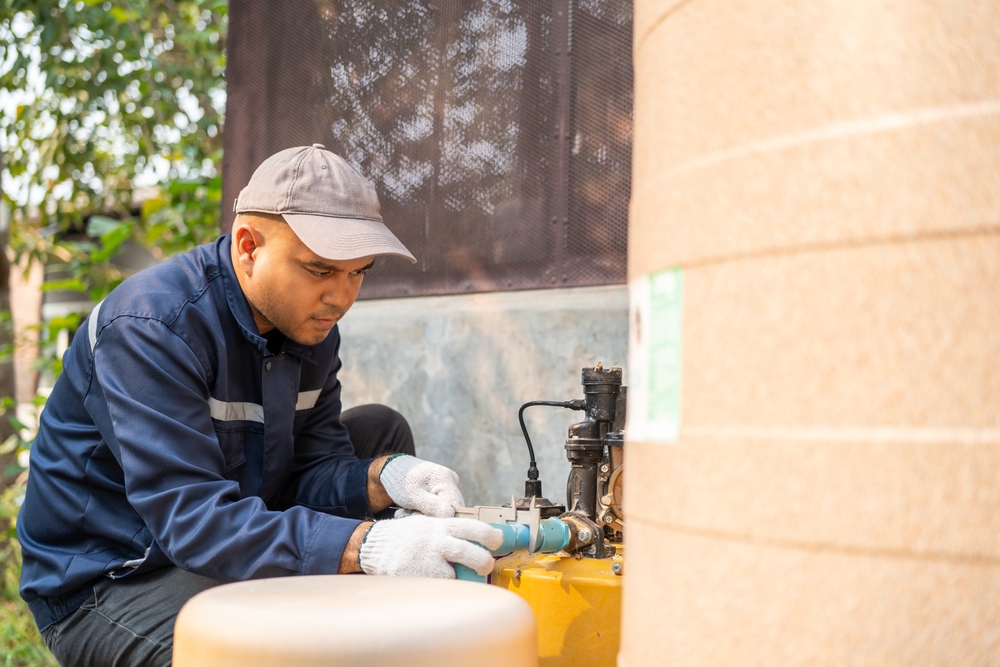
(423, 486)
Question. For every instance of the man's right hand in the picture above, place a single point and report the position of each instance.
(422, 546)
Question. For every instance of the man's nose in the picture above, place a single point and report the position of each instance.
(338, 292)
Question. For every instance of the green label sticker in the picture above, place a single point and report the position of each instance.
(655, 325)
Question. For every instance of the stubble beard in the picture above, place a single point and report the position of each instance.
(264, 310)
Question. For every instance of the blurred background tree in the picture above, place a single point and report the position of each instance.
(111, 132)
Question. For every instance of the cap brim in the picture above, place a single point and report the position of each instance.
(342, 239)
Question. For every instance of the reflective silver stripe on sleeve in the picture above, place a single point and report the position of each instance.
(236, 412)
(92, 325)
(307, 399)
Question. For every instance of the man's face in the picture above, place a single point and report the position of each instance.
(291, 288)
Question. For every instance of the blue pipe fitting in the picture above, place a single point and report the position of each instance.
(553, 535)
(515, 536)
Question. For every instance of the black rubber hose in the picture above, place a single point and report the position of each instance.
(577, 404)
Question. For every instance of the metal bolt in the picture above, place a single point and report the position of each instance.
(584, 535)
(617, 568)
(608, 518)
(605, 468)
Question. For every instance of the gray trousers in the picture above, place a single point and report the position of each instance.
(129, 622)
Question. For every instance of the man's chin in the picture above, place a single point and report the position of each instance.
(316, 340)
(312, 338)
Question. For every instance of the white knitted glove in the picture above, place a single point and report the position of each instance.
(426, 487)
(422, 546)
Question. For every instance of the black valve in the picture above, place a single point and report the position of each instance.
(586, 440)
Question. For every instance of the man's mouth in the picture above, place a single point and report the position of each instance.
(327, 320)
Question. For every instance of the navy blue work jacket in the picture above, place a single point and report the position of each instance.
(173, 436)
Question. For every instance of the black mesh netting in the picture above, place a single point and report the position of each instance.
(497, 132)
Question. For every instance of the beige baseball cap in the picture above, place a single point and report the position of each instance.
(330, 206)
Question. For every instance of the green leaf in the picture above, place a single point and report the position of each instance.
(99, 225)
(16, 423)
(70, 322)
(10, 445)
(12, 470)
(70, 284)
(111, 241)
(182, 187)
(152, 205)
(119, 14)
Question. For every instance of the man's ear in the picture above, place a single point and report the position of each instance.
(246, 242)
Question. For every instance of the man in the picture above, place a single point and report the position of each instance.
(195, 434)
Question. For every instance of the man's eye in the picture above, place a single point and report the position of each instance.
(318, 274)
(359, 272)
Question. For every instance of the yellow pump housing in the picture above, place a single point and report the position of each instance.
(576, 601)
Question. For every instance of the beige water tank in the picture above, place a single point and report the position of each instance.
(357, 621)
(813, 471)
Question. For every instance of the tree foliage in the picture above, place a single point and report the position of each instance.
(108, 97)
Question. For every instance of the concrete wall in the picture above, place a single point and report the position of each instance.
(827, 178)
(459, 367)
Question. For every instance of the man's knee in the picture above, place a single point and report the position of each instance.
(127, 621)
(377, 430)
